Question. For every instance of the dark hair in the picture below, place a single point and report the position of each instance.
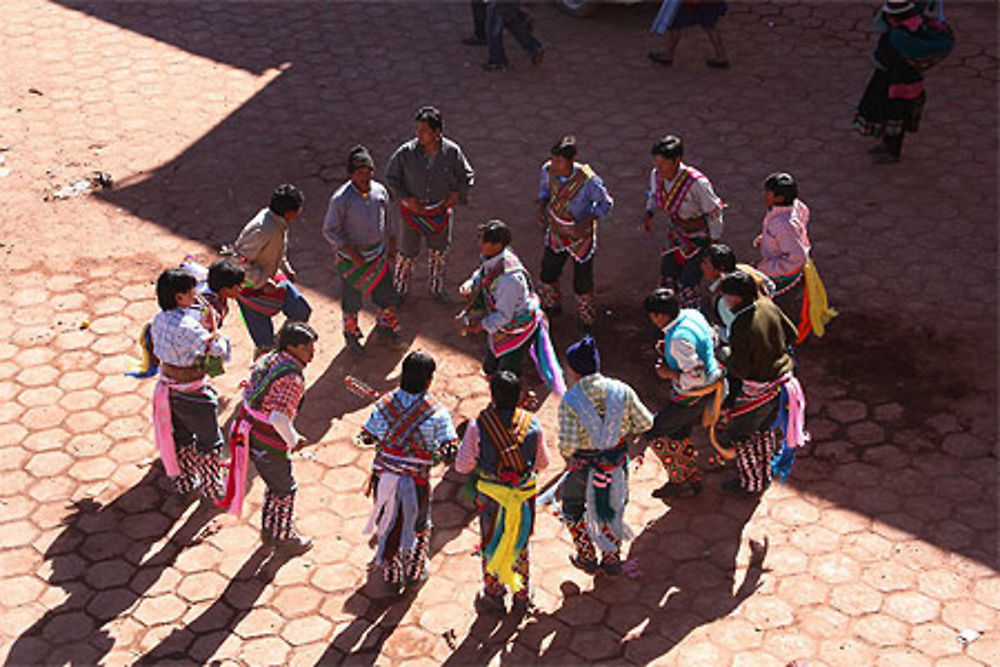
(171, 283)
(740, 284)
(223, 273)
(782, 184)
(565, 147)
(505, 389)
(670, 147)
(359, 158)
(662, 301)
(722, 257)
(495, 231)
(294, 333)
(431, 116)
(286, 198)
(418, 369)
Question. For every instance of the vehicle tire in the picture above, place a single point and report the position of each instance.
(579, 7)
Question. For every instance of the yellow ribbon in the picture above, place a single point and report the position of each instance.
(501, 563)
(710, 417)
(820, 311)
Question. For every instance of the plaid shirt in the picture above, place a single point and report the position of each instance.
(284, 394)
(179, 337)
(572, 434)
(436, 431)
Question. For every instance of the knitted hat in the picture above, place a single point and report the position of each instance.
(894, 7)
(358, 158)
(583, 356)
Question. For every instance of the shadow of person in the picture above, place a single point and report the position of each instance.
(328, 399)
(100, 560)
(360, 643)
(487, 636)
(202, 637)
(685, 570)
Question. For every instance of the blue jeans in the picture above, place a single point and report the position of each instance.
(261, 328)
(500, 15)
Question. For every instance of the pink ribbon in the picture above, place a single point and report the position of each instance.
(796, 435)
(236, 483)
(163, 430)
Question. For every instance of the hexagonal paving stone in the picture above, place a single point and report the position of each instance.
(39, 396)
(202, 586)
(37, 376)
(48, 464)
(21, 590)
(267, 650)
(159, 610)
(856, 599)
(912, 607)
(85, 422)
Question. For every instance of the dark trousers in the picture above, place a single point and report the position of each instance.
(384, 295)
(506, 14)
(479, 19)
(513, 361)
(583, 272)
(275, 468)
(687, 274)
(195, 422)
(676, 421)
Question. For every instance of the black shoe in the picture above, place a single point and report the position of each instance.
(717, 64)
(442, 296)
(522, 606)
(474, 40)
(295, 545)
(660, 59)
(394, 337)
(353, 342)
(495, 67)
(553, 311)
(735, 487)
(886, 158)
(588, 566)
(682, 490)
(419, 580)
(612, 569)
(492, 605)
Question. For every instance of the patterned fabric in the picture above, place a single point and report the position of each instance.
(507, 439)
(209, 471)
(417, 434)
(492, 585)
(432, 222)
(386, 318)
(585, 309)
(416, 560)
(181, 339)
(753, 460)
(187, 480)
(366, 276)
(550, 295)
(681, 242)
(278, 516)
(585, 551)
(276, 383)
(561, 194)
(572, 434)
(436, 262)
(401, 277)
(351, 325)
(266, 300)
(679, 459)
(524, 322)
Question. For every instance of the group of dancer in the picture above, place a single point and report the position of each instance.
(729, 367)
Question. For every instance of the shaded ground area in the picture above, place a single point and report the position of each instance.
(880, 550)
